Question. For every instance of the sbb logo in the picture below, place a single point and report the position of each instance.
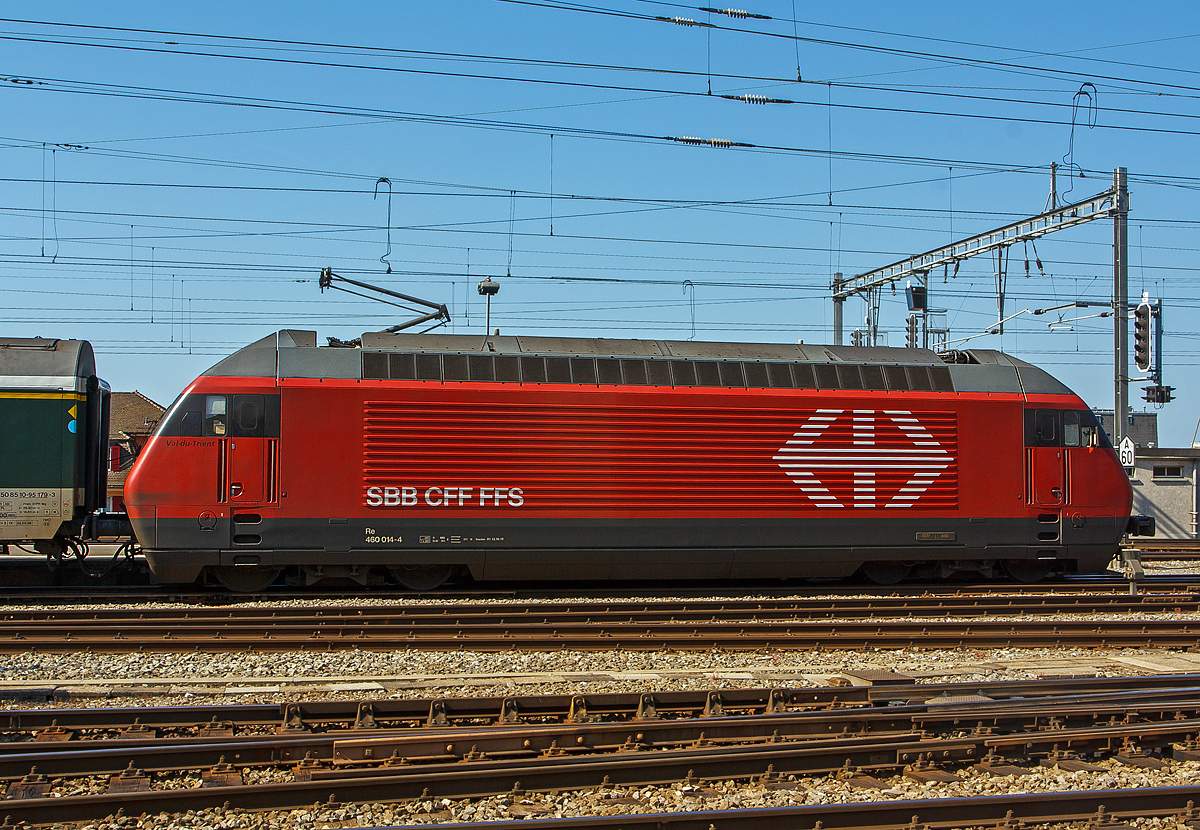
(444, 497)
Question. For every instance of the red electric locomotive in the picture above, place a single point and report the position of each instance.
(552, 458)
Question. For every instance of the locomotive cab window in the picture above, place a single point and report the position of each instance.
(215, 422)
(1091, 433)
(1088, 437)
(1054, 427)
(249, 416)
(185, 418)
(190, 424)
(1045, 428)
(1070, 430)
(222, 416)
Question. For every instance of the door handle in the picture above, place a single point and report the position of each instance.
(235, 490)
(1055, 491)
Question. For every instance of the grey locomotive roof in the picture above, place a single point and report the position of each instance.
(42, 363)
(295, 354)
(611, 347)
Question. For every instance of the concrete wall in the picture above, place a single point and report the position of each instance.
(1171, 501)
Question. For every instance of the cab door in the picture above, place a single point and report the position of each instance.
(249, 449)
(1047, 461)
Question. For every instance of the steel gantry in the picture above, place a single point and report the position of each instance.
(1111, 204)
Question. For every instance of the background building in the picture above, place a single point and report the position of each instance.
(134, 417)
(1164, 486)
(1142, 427)
(1163, 479)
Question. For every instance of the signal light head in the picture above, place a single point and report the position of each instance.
(1141, 336)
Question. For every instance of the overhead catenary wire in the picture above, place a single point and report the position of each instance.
(476, 229)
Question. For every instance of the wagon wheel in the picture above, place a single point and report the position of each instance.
(245, 579)
(421, 577)
(1029, 570)
(885, 573)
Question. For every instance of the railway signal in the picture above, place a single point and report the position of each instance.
(1147, 349)
(910, 335)
(1143, 319)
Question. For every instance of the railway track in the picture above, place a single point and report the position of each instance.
(1098, 809)
(1157, 620)
(390, 750)
(198, 595)
(26, 580)
(1164, 550)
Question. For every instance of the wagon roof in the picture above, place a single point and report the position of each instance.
(44, 362)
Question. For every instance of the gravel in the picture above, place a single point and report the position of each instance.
(83, 679)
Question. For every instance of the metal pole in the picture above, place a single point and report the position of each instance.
(838, 303)
(873, 296)
(1120, 306)
(926, 281)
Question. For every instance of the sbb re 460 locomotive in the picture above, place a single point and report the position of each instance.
(552, 458)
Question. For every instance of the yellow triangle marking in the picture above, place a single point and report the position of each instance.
(73, 410)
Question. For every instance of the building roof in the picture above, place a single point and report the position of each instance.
(1142, 427)
(1169, 452)
(133, 414)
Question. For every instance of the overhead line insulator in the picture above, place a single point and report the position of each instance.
(740, 14)
(757, 99)
(696, 141)
(683, 21)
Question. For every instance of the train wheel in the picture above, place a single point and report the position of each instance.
(885, 573)
(1028, 570)
(421, 577)
(245, 579)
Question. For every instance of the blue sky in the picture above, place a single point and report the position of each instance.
(175, 176)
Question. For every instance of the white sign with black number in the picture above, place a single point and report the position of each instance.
(1128, 457)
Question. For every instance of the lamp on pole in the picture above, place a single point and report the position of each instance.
(488, 287)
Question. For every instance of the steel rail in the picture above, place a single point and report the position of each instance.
(438, 711)
(1021, 727)
(377, 765)
(1162, 717)
(15, 594)
(1099, 807)
(451, 633)
(646, 611)
(764, 762)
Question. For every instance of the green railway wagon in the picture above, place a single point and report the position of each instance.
(54, 414)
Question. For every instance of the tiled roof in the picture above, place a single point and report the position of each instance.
(133, 412)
